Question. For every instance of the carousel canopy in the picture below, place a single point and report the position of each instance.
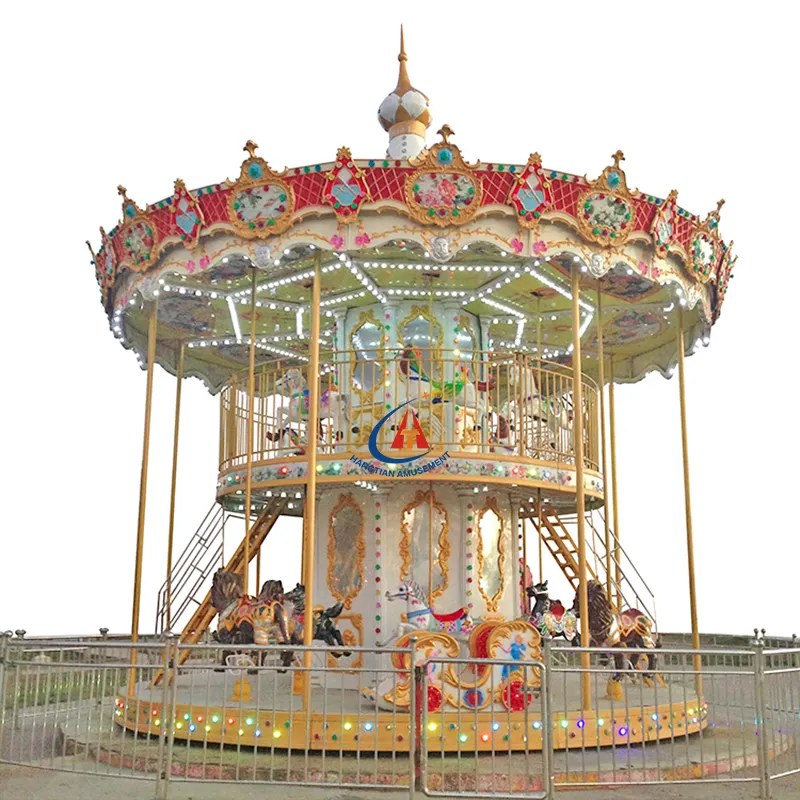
(498, 240)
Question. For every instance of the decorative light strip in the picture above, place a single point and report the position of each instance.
(436, 267)
(520, 329)
(341, 298)
(365, 281)
(504, 307)
(234, 318)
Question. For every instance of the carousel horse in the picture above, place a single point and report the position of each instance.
(333, 404)
(630, 628)
(550, 617)
(324, 620)
(287, 439)
(463, 392)
(421, 617)
(244, 619)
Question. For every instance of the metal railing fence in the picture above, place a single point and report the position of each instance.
(406, 719)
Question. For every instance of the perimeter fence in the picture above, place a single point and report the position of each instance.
(402, 720)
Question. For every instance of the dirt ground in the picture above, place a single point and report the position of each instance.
(25, 783)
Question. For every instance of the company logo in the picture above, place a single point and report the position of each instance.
(409, 436)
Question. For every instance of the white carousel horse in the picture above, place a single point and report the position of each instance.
(421, 617)
(333, 404)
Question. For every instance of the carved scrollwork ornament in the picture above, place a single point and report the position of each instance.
(444, 190)
(260, 203)
(606, 209)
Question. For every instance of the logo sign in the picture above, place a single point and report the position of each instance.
(409, 436)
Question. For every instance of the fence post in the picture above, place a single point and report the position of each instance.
(547, 718)
(763, 746)
(164, 768)
(5, 636)
(414, 713)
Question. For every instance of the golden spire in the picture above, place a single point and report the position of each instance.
(403, 82)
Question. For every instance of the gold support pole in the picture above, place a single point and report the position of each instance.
(430, 544)
(539, 531)
(311, 482)
(251, 380)
(604, 455)
(688, 502)
(577, 434)
(170, 538)
(612, 424)
(152, 329)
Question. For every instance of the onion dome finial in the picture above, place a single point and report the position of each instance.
(405, 113)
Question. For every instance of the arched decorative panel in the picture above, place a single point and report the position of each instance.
(425, 527)
(346, 550)
(367, 355)
(491, 554)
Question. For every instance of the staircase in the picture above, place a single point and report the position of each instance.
(200, 557)
(559, 535)
(205, 612)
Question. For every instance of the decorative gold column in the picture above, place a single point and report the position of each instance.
(251, 380)
(152, 329)
(614, 499)
(311, 480)
(170, 538)
(688, 503)
(577, 436)
(604, 459)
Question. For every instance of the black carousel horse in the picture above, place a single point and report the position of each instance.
(607, 628)
(324, 621)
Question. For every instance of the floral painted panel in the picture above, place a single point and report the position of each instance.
(444, 190)
(608, 215)
(139, 241)
(260, 205)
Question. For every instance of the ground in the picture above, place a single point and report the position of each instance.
(25, 783)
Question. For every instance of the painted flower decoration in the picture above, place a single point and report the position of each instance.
(336, 241)
(655, 272)
(447, 189)
(539, 248)
(643, 268)
(362, 240)
(190, 266)
(204, 262)
(517, 246)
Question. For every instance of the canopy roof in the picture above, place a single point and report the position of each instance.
(497, 239)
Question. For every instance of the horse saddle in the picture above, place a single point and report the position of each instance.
(454, 616)
(557, 610)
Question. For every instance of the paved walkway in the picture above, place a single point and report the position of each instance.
(25, 783)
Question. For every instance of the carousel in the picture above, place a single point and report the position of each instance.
(417, 354)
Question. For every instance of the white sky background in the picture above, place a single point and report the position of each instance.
(701, 97)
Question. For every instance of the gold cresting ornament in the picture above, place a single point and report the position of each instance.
(250, 148)
(446, 132)
(618, 156)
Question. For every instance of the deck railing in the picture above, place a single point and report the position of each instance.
(507, 404)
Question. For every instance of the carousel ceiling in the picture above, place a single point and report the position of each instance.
(496, 239)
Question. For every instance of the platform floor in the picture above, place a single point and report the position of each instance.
(219, 707)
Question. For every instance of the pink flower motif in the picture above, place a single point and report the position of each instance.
(362, 240)
(336, 241)
(539, 248)
(190, 266)
(643, 268)
(431, 198)
(655, 272)
(204, 262)
(447, 189)
(517, 245)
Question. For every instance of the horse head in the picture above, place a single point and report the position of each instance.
(538, 590)
(226, 588)
(407, 590)
(291, 382)
(271, 592)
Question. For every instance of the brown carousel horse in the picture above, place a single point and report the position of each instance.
(607, 628)
(244, 619)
